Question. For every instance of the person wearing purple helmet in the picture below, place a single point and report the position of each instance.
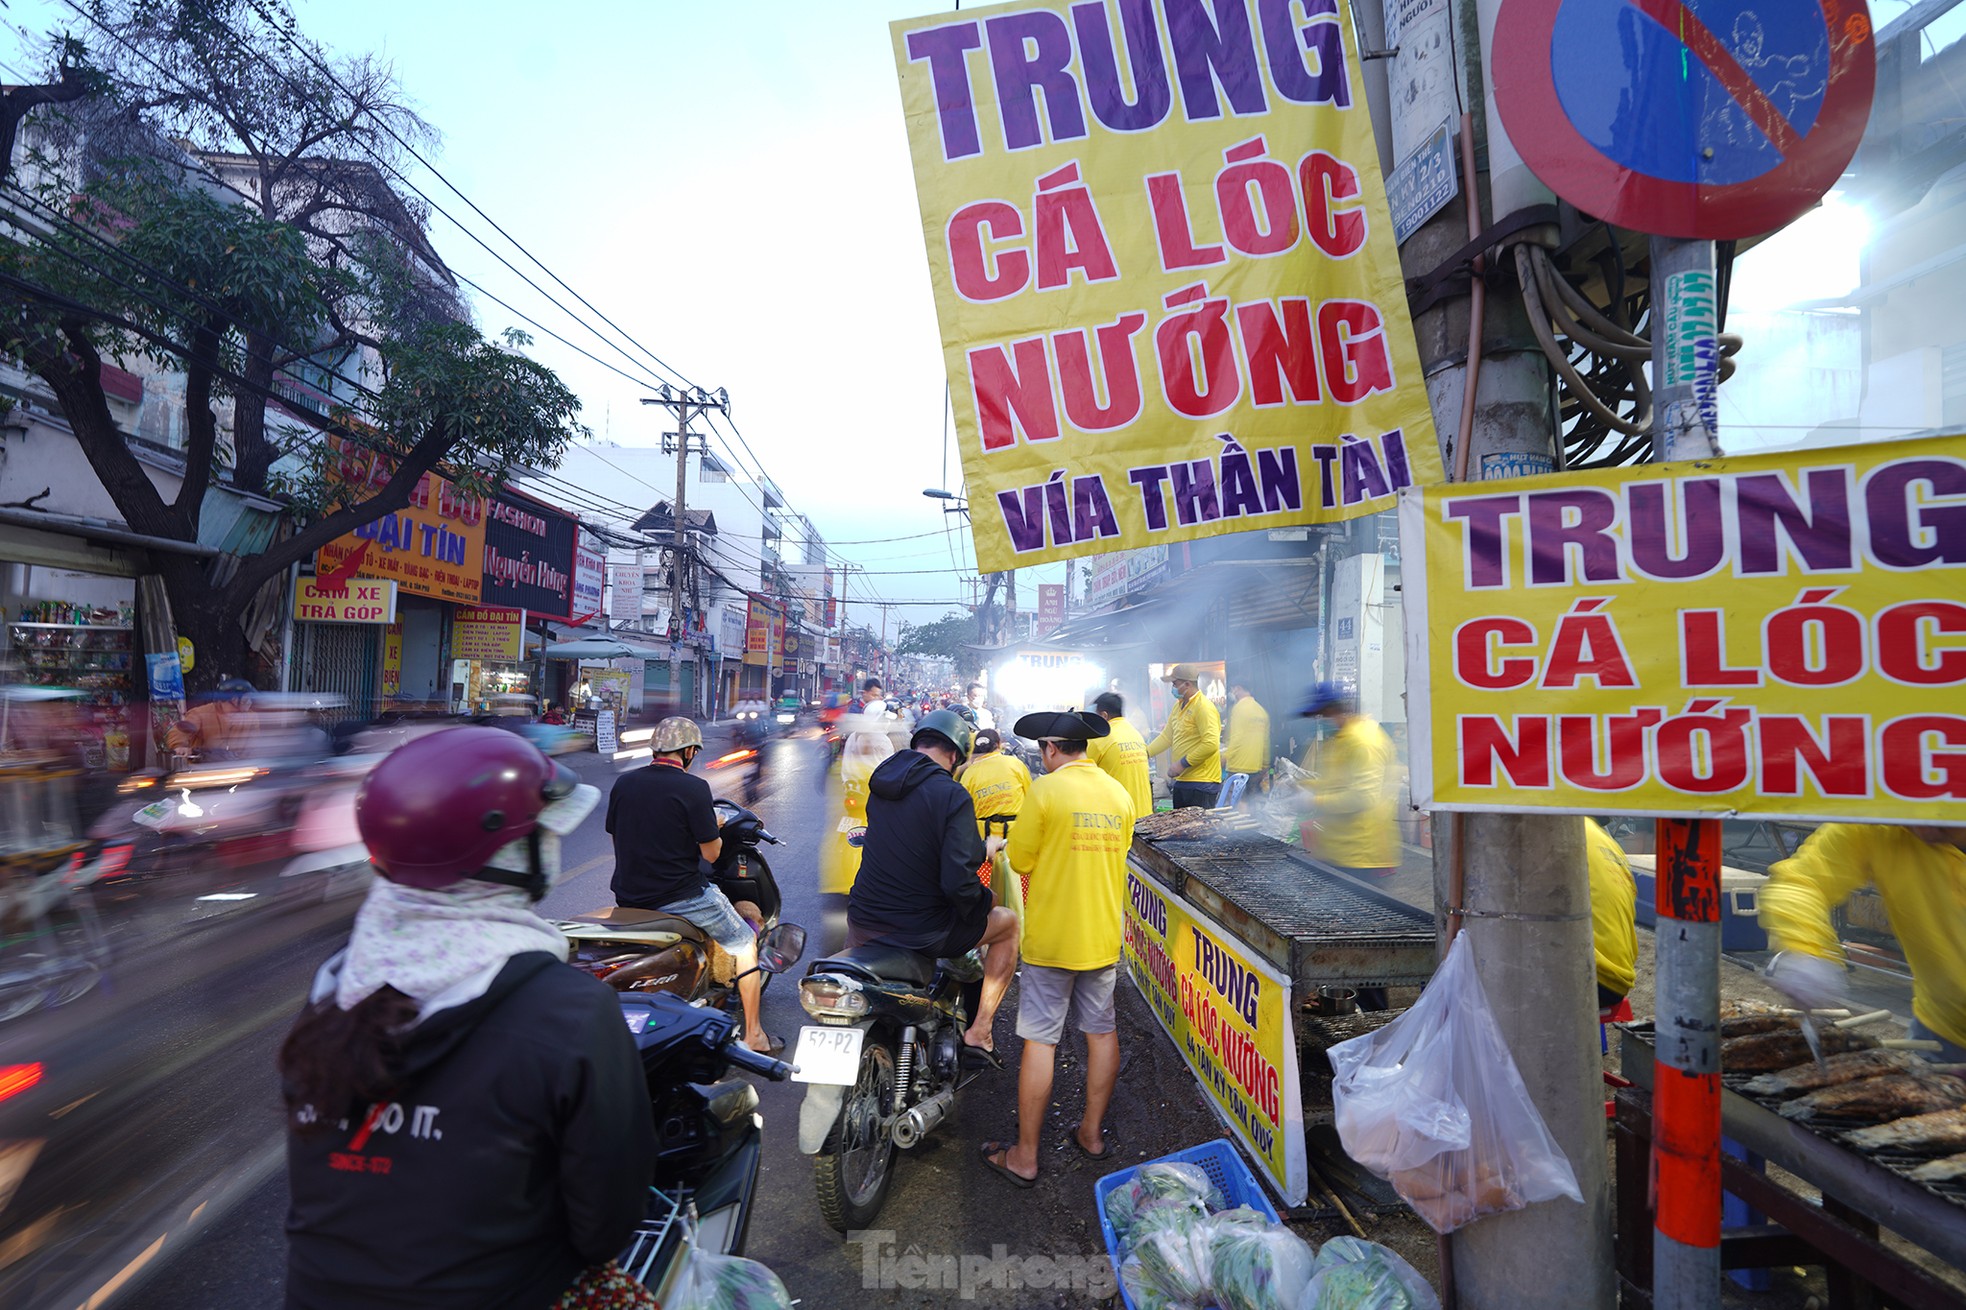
(468, 1122)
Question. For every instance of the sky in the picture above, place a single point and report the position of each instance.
(728, 182)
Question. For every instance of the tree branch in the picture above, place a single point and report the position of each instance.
(202, 424)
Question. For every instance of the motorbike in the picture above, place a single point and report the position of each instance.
(635, 950)
(709, 1135)
(883, 1066)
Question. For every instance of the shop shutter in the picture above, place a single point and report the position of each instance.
(341, 659)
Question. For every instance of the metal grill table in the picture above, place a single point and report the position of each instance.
(1312, 925)
(1860, 1194)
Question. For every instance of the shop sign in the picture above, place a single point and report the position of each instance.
(433, 546)
(1768, 636)
(778, 643)
(496, 635)
(1051, 607)
(392, 661)
(757, 633)
(529, 556)
(166, 677)
(1228, 1012)
(1108, 584)
(624, 592)
(1170, 302)
(589, 576)
(730, 634)
(832, 606)
(354, 600)
(793, 646)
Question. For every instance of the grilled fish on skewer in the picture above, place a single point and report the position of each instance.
(1768, 1052)
(1940, 1131)
(1952, 1169)
(1745, 1025)
(1889, 1096)
(1848, 1067)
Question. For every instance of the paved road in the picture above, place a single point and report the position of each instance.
(1026, 1249)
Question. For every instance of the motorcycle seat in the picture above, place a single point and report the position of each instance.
(629, 918)
(879, 962)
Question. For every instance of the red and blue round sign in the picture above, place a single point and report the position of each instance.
(1687, 118)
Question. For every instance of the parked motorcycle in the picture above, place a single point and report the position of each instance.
(884, 1064)
(709, 1135)
(634, 950)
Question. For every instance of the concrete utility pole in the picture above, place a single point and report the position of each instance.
(1517, 882)
(680, 401)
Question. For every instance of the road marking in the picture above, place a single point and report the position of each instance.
(588, 867)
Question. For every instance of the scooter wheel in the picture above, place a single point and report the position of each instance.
(855, 1165)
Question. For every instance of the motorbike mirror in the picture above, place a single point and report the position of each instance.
(781, 948)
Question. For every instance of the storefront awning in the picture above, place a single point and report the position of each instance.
(601, 648)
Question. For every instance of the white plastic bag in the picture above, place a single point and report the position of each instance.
(708, 1281)
(1433, 1103)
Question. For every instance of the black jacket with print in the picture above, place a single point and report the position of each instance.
(515, 1153)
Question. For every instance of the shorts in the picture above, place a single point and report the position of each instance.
(712, 911)
(1045, 994)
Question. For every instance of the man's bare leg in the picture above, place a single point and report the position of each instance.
(999, 964)
(1102, 1071)
(751, 991)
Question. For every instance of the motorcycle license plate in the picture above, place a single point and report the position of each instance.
(828, 1055)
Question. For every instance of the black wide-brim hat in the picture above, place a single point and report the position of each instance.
(1066, 725)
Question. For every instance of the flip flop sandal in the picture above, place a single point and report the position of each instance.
(1101, 1157)
(981, 1057)
(773, 1046)
(1014, 1178)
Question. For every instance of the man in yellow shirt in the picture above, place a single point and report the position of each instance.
(1352, 788)
(1921, 874)
(997, 782)
(1122, 752)
(1072, 839)
(1614, 917)
(1194, 732)
(1248, 750)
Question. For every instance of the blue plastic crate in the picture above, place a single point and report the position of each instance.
(1225, 1168)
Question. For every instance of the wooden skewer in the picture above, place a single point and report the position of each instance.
(1861, 1019)
(1909, 1044)
(1819, 1014)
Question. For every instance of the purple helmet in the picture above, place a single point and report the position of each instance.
(437, 810)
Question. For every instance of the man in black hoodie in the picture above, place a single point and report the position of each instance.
(918, 888)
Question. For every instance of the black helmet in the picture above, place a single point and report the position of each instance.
(965, 712)
(951, 727)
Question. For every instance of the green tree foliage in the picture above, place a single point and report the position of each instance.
(948, 637)
(294, 254)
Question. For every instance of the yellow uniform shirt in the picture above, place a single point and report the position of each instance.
(1194, 731)
(1356, 794)
(1924, 889)
(996, 784)
(1614, 910)
(1123, 754)
(1071, 841)
(1248, 750)
(839, 849)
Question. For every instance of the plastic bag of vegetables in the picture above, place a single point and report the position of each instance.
(1155, 1185)
(1255, 1264)
(1174, 1255)
(1144, 1292)
(1354, 1275)
(708, 1281)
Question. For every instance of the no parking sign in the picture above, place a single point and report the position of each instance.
(1713, 119)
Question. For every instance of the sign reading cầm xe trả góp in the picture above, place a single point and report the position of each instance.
(1164, 271)
(1776, 636)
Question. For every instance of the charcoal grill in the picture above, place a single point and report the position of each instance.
(1314, 926)
(1861, 1193)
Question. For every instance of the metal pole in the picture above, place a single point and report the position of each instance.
(1686, 1077)
(676, 561)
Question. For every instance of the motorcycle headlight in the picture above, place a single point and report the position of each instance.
(825, 996)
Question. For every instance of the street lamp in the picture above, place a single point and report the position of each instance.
(958, 505)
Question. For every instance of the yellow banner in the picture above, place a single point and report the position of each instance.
(1782, 636)
(433, 546)
(1170, 301)
(353, 600)
(1228, 1012)
(487, 634)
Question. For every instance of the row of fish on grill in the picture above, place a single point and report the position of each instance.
(1911, 1106)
